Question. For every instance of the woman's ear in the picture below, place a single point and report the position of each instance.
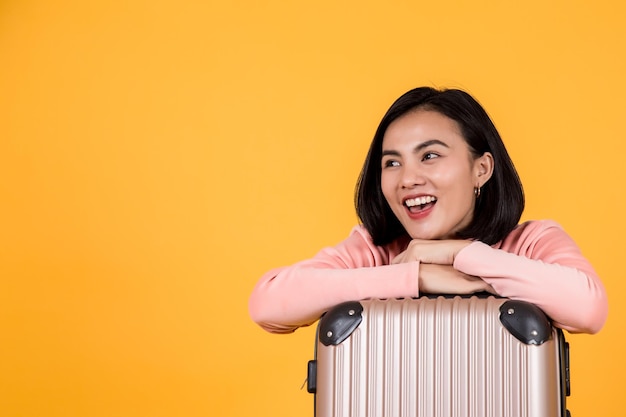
(483, 168)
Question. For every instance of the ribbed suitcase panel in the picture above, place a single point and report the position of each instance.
(436, 358)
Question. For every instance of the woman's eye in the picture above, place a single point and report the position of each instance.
(391, 163)
(429, 155)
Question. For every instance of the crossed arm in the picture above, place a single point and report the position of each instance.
(538, 263)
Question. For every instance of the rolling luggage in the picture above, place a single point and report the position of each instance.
(439, 356)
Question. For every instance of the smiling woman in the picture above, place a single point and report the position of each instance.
(428, 183)
(440, 201)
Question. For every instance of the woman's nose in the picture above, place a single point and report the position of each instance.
(412, 177)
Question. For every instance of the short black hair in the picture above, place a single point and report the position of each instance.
(501, 202)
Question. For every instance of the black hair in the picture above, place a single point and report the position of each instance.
(501, 202)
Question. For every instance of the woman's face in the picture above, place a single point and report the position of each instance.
(429, 175)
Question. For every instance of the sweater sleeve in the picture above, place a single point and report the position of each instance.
(541, 264)
(290, 297)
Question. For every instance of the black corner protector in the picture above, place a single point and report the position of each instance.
(527, 322)
(339, 322)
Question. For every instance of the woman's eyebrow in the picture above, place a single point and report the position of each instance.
(418, 148)
(390, 152)
(429, 143)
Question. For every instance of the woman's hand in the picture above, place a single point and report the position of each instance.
(444, 279)
(436, 274)
(441, 252)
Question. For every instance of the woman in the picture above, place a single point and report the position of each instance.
(440, 201)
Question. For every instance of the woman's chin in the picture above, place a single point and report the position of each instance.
(425, 235)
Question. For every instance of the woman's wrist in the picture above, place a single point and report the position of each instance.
(459, 246)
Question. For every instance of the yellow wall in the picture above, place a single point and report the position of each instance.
(156, 157)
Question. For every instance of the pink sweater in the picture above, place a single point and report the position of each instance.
(537, 262)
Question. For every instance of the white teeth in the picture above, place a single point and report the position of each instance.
(420, 201)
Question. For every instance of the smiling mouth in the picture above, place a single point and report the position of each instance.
(418, 204)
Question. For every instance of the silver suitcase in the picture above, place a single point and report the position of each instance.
(439, 356)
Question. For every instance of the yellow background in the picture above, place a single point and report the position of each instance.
(157, 156)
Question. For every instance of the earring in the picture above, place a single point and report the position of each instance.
(477, 192)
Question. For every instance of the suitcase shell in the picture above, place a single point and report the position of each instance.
(440, 356)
